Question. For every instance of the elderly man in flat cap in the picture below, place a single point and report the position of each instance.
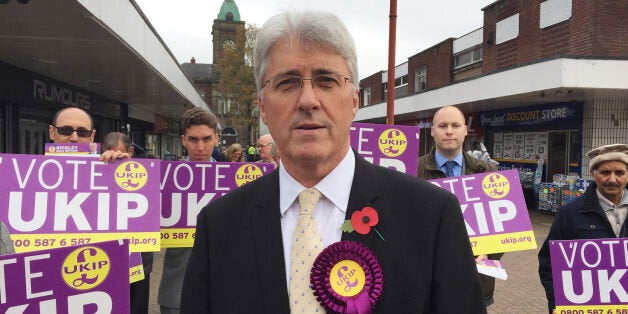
(599, 213)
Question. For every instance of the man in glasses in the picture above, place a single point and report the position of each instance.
(72, 125)
(267, 150)
(255, 247)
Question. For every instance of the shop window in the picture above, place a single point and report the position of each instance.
(152, 144)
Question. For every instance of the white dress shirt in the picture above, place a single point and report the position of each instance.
(329, 214)
(616, 214)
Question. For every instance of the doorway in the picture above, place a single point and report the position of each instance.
(562, 152)
(33, 136)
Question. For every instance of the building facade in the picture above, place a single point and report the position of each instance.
(237, 124)
(540, 79)
(59, 53)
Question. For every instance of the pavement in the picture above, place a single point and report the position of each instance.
(522, 292)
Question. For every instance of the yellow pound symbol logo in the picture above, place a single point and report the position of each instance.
(496, 185)
(247, 173)
(392, 142)
(131, 176)
(85, 268)
(347, 278)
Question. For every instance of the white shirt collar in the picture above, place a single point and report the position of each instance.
(336, 186)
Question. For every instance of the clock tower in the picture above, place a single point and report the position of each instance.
(224, 28)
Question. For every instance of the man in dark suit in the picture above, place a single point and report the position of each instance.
(245, 244)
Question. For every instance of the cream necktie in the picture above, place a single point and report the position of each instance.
(306, 245)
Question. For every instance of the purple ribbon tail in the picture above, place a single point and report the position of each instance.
(360, 304)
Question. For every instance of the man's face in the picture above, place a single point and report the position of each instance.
(199, 140)
(611, 178)
(71, 122)
(449, 131)
(264, 147)
(310, 125)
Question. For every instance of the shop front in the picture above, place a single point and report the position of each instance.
(519, 138)
(28, 102)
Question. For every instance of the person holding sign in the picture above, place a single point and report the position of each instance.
(599, 213)
(199, 138)
(140, 290)
(448, 159)
(72, 125)
(273, 245)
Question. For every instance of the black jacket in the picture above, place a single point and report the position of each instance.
(237, 263)
(582, 218)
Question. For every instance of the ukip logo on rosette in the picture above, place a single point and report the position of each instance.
(131, 176)
(85, 268)
(392, 142)
(347, 278)
(247, 173)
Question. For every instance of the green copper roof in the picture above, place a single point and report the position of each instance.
(229, 6)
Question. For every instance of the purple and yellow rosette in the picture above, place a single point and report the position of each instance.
(347, 278)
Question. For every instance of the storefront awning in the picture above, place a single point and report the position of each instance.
(105, 47)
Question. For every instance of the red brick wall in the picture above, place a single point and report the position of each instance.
(439, 62)
(377, 92)
(610, 35)
(596, 28)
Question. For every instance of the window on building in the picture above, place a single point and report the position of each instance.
(468, 57)
(401, 81)
(420, 79)
(367, 96)
(554, 12)
(507, 29)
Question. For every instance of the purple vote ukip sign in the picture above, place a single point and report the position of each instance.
(494, 211)
(390, 146)
(187, 187)
(92, 278)
(56, 201)
(590, 276)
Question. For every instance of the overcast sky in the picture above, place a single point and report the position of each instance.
(185, 25)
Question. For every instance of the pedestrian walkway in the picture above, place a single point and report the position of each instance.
(521, 293)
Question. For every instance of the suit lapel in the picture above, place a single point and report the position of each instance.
(363, 193)
(266, 222)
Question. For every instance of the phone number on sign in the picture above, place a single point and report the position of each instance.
(177, 235)
(27, 243)
(595, 311)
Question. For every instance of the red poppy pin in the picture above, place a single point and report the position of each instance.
(362, 221)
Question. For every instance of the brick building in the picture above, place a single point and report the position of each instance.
(206, 78)
(538, 79)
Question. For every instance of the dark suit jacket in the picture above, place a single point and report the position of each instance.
(237, 263)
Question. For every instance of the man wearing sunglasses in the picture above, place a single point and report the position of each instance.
(72, 125)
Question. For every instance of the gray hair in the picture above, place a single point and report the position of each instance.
(112, 139)
(315, 28)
